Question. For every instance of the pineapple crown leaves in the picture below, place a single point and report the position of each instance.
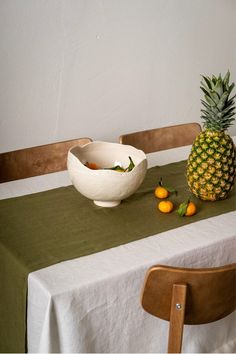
(219, 110)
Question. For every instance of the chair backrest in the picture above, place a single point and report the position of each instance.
(189, 296)
(35, 161)
(162, 138)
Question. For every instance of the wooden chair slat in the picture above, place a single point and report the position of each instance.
(177, 313)
(211, 294)
(162, 138)
(36, 161)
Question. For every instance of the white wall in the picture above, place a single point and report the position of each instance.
(100, 68)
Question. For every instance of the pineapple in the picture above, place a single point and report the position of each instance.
(211, 163)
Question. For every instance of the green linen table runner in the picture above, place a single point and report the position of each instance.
(42, 229)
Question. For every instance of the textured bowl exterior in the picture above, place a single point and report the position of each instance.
(106, 185)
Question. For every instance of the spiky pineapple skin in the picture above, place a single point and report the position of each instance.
(211, 165)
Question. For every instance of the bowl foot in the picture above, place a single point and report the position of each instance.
(107, 204)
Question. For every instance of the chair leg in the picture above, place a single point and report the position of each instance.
(177, 318)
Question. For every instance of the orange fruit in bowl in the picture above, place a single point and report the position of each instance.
(191, 209)
(166, 206)
(161, 192)
(92, 165)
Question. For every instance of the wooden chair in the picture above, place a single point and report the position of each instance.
(189, 296)
(162, 138)
(35, 161)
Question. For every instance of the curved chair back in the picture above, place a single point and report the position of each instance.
(162, 138)
(35, 161)
(189, 296)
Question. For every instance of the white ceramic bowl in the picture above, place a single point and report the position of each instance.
(106, 187)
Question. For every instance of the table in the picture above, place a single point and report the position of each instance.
(91, 304)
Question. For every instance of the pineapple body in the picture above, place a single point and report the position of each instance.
(211, 165)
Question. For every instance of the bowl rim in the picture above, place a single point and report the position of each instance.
(107, 170)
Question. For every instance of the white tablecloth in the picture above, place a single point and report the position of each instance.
(92, 304)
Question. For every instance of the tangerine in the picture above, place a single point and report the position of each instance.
(166, 206)
(161, 192)
(191, 209)
(92, 165)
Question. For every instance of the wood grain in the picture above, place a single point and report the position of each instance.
(177, 313)
(162, 138)
(211, 293)
(35, 161)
